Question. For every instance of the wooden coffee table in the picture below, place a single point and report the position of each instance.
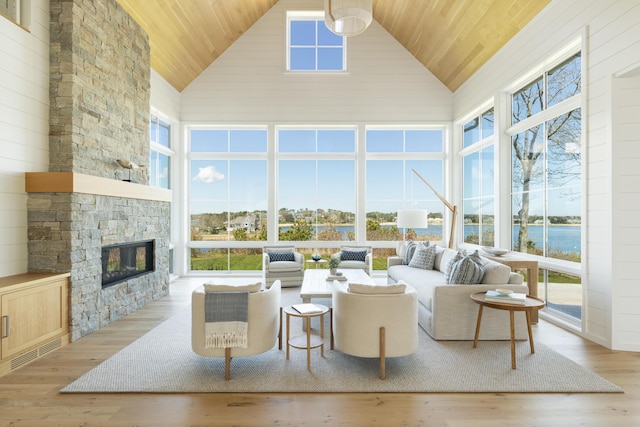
(316, 285)
(532, 304)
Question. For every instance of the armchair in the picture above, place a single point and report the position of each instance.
(282, 263)
(369, 323)
(264, 325)
(355, 257)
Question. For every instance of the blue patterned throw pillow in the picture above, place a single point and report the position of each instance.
(467, 271)
(353, 255)
(449, 268)
(424, 257)
(408, 252)
(281, 256)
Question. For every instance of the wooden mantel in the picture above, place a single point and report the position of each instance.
(70, 182)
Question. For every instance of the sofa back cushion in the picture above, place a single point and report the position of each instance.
(443, 258)
(495, 273)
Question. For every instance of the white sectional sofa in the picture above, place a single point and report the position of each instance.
(446, 312)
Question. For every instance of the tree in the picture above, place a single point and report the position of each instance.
(558, 139)
(300, 231)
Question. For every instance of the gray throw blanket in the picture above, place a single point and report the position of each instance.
(226, 315)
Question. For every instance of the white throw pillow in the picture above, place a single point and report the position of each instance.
(221, 287)
(359, 288)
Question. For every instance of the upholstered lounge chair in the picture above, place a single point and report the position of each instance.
(282, 263)
(375, 324)
(355, 257)
(264, 325)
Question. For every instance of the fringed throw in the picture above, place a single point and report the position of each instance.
(226, 315)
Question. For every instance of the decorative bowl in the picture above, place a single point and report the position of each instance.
(504, 291)
(316, 258)
(494, 251)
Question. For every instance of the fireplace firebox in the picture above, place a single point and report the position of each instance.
(125, 261)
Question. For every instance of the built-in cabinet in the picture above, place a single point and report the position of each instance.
(34, 317)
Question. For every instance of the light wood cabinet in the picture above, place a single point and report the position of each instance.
(34, 317)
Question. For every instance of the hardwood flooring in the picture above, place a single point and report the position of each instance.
(29, 396)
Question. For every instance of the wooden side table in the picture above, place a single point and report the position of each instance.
(307, 341)
(514, 261)
(531, 305)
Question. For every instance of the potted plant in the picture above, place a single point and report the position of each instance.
(334, 262)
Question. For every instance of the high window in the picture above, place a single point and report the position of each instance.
(546, 163)
(478, 192)
(227, 197)
(392, 154)
(316, 184)
(546, 194)
(161, 152)
(311, 46)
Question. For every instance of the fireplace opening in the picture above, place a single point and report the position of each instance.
(125, 261)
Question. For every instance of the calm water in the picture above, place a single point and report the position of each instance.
(563, 238)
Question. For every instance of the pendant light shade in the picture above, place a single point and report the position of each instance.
(347, 17)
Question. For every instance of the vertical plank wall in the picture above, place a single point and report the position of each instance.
(248, 83)
(24, 127)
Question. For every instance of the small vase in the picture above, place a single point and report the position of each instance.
(333, 271)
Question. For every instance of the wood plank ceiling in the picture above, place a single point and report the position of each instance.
(451, 38)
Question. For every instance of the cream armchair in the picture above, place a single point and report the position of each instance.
(355, 257)
(264, 325)
(369, 323)
(282, 263)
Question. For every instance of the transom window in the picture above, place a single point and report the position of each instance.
(311, 46)
(478, 173)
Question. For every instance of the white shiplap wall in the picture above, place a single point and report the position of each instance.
(248, 82)
(612, 29)
(24, 127)
(625, 119)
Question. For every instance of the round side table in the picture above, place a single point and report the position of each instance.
(532, 304)
(307, 341)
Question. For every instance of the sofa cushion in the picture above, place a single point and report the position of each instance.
(423, 257)
(495, 273)
(346, 255)
(212, 286)
(467, 271)
(444, 258)
(359, 288)
(284, 266)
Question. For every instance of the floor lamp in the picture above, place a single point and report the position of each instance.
(452, 208)
(412, 218)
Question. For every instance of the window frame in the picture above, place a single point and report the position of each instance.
(318, 17)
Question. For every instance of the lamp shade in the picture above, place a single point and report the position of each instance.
(412, 218)
(347, 17)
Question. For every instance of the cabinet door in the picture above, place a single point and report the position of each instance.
(33, 315)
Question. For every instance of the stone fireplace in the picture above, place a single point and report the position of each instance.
(126, 261)
(99, 113)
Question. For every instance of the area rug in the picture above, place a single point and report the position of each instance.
(162, 361)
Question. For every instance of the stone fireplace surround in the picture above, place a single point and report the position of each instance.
(99, 112)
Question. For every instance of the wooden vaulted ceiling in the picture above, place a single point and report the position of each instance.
(451, 38)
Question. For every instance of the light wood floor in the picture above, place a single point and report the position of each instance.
(30, 396)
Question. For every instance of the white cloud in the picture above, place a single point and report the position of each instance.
(208, 175)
